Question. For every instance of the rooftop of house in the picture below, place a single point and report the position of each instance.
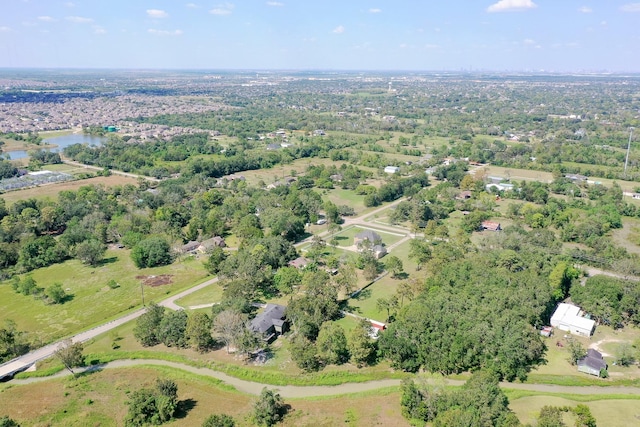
(272, 315)
(369, 235)
(593, 359)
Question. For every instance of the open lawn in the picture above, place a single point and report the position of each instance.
(608, 413)
(100, 398)
(210, 294)
(345, 237)
(364, 304)
(278, 172)
(516, 174)
(629, 235)
(341, 197)
(52, 190)
(92, 301)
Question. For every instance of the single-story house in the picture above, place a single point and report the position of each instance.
(272, 147)
(214, 242)
(592, 363)
(392, 169)
(379, 251)
(299, 263)
(576, 177)
(189, 247)
(568, 317)
(491, 226)
(270, 323)
(369, 235)
(503, 186)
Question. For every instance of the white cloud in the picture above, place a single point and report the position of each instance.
(222, 9)
(79, 19)
(99, 30)
(511, 5)
(157, 13)
(630, 7)
(164, 32)
(4, 29)
(585, 9)
(338, 30)
(46, 19)
(375, 10)
(529, 42)
(275, 3)
(192, 5)
(69, 4)
(431, 46)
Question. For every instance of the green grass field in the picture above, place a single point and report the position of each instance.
(93, 302)
(345, 237)
(608, 413)
(100, 399)
(210, 294)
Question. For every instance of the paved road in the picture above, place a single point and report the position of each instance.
(114, 172)
(23, 362)
(171, 301)
(255, 388)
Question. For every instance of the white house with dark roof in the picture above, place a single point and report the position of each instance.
(592, 363)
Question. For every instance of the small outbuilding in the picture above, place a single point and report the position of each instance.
(392, 169)
(570, 318)
(592, 363)
(490, 226)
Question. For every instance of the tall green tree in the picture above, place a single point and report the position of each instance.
(151, 252)
(269, 409)
(70, 354)
(198, 331)
(172, 330)
(147, 326)
(332, 344)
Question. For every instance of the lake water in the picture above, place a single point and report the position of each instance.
(61, 142)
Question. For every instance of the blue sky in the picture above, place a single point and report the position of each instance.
(518, 35)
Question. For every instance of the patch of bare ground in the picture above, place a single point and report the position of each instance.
(155, 281)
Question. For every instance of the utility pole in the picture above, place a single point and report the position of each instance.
(626, 160)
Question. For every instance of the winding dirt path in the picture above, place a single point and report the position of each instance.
(290, 391)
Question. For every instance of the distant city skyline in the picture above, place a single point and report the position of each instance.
(401, 35)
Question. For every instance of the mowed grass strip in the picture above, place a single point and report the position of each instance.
(92, 301)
